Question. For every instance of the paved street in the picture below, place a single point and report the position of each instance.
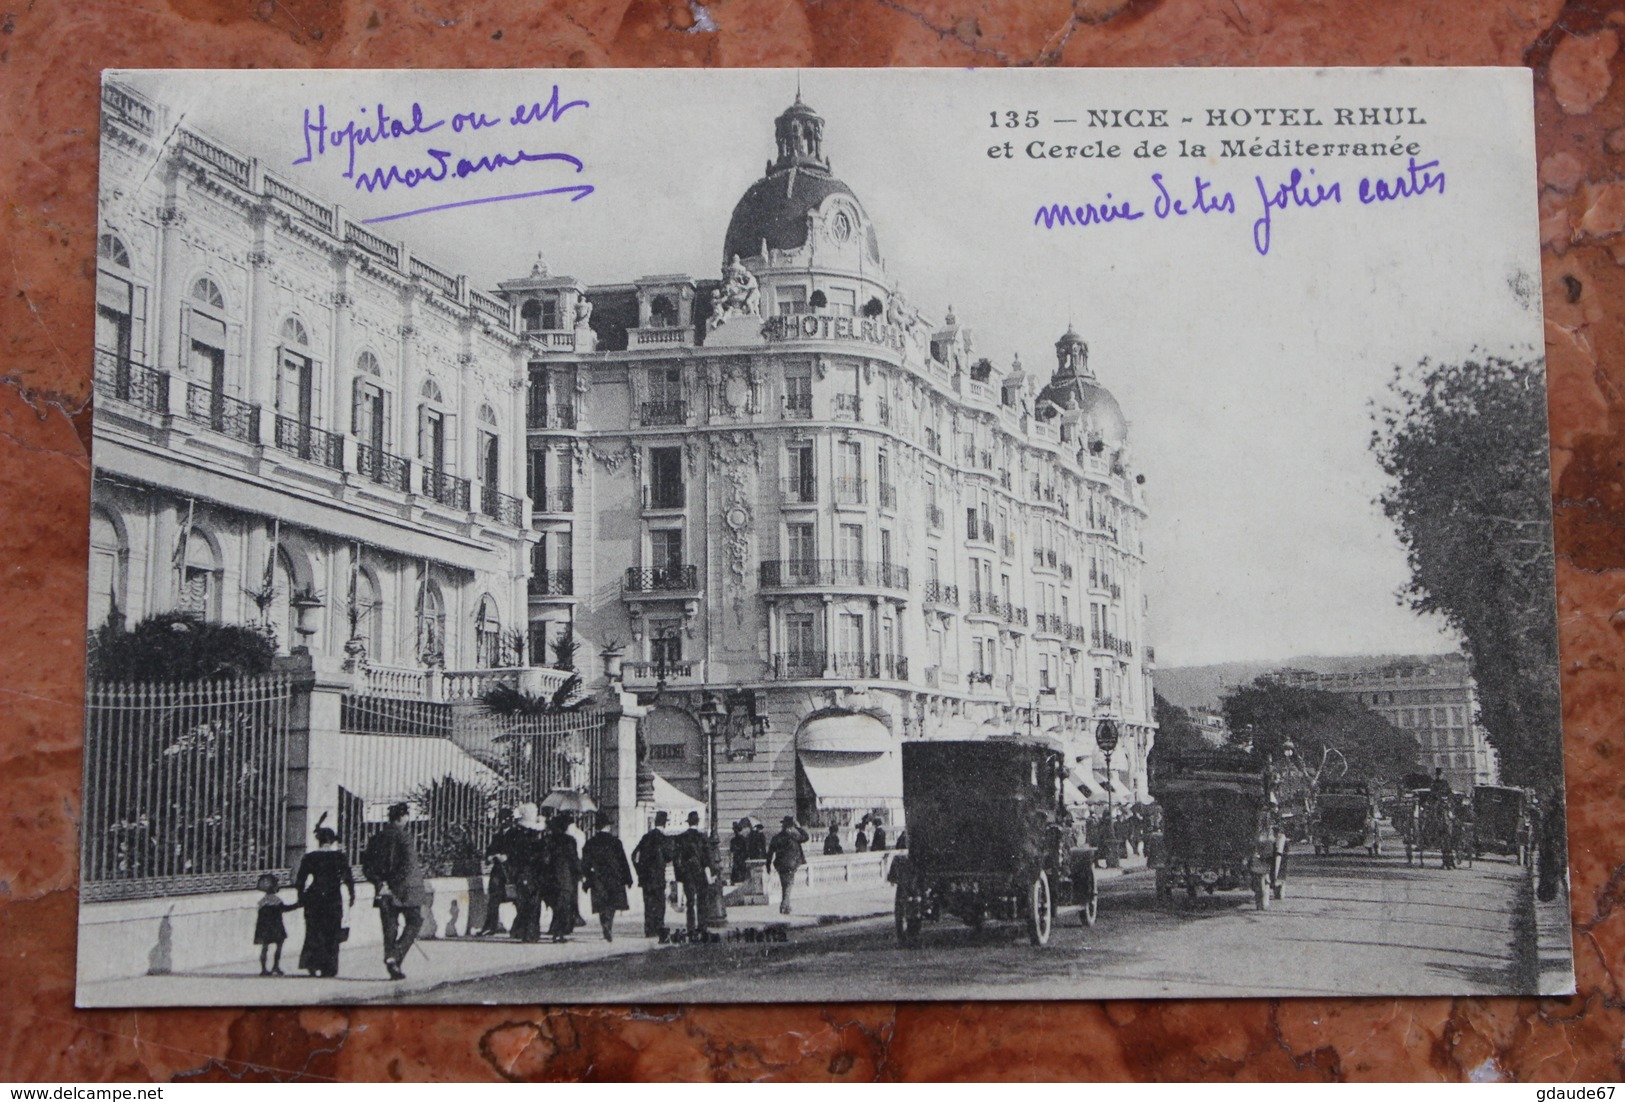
(1350, 924)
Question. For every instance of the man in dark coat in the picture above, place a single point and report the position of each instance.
(607, 875)
(691, 862)
(739, 853)
(650, 857)
(758, 842)
(563, 877)
(526, 865)
(391, 863)
(499, 851)
(832, 841)
(785, 855)
(879, 839)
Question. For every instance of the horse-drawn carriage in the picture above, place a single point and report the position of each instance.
(1346, 817)
(1428, 820)
(989, 837)
(1501, 822)
(1221, 827)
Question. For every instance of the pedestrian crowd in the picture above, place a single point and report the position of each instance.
(539, 860)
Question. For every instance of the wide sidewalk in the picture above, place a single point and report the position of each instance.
(442, 960)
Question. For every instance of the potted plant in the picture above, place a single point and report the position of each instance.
(613, 653)
(564, 649)
(306, 599)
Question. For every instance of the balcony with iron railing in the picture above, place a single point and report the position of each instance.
(798, 407)
(679, 578)
(222, 413)
(883, 409)
(130, 381)
(309, 443)
(1049, 623)
(445, 488)
(979, 530)
(940, 594)
(798, 665)
(377, 465)
(851, 491)
(986, 604)
(662, 670)
(800, 491)
(881, 667)
(670, 412)
(1014, 615)
(860, 573)
(501, 507)
(664, 496)
(553, 499)
(848, 407)
(550, 415)
(551, 583)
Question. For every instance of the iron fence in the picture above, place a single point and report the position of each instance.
(447, 489)
(456, 770)
(657, 579)
(185, 787)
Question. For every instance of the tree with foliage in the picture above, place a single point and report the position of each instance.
(177, 646)
(1176, 732)
(1465, 448)
(1334, 736)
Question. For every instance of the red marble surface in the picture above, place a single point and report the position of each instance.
(50, 55)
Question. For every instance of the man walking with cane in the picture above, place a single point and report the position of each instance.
(391, 864)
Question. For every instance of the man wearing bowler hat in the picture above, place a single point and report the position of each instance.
(391, 863)
(785, 855)
(650, 857)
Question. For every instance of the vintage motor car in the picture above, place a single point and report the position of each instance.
(989, 837)
(1346, 817)
(1221, 827)
(1501, 822)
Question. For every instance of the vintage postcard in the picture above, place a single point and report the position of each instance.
(663, 536)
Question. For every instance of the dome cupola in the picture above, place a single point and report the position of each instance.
(798, 195)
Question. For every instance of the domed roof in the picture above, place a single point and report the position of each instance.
(1073, 390)
(775, 208)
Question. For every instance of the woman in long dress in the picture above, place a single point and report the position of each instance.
(323, 872)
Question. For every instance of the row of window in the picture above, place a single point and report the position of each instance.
(121, 332)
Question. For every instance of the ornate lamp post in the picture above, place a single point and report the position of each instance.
(1106, 736)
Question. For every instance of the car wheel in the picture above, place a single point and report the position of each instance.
(1040, 910)
(906, 914)
(1089, 913)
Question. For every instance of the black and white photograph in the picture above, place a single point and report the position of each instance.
(616, 536)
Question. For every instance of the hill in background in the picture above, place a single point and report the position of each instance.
(1202, 686)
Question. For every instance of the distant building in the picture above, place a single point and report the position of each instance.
(1210, 722)
(1431, 698)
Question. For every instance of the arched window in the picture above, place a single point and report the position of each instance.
(207, 292)
(431, 624)
(121, 315)
(203, 338)
(199, 579)
(530, 315)
(369, 416)
(109, 569)
(432, 429)
(111, 249)
(487, 634)
(296, 375)
(366, 612)
(663, 313)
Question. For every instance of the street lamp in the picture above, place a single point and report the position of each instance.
(713, 718)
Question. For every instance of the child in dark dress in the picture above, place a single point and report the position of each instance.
(268, 928)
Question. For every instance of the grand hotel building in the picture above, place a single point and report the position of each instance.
(801, 519)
